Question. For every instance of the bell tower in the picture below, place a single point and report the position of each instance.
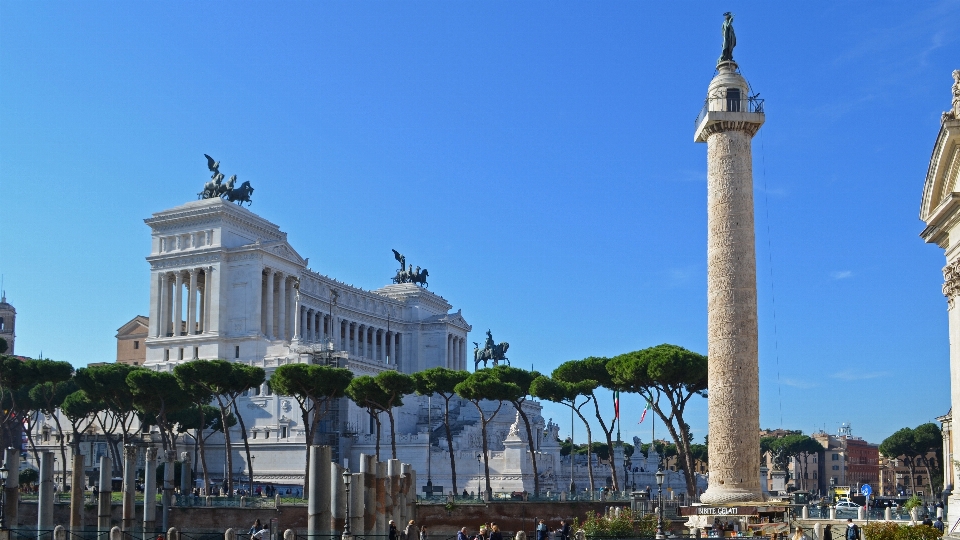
(8, 319)
(729, 120)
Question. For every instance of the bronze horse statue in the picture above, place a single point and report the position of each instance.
(241, 194)
(496, 354)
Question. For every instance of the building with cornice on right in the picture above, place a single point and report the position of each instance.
(940, 210)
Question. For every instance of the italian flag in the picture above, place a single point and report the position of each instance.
(616, 404)
(644, 413)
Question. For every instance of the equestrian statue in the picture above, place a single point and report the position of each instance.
(496, 352)
(409, 275)
(216, 187)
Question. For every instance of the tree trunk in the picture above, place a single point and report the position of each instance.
(246, 444)
(533, 452)
(589, 450)
(609, 437)
(203, 455)
(453, 461)
(393, 434)
(376, 420)
(228, 447)
(311, 427)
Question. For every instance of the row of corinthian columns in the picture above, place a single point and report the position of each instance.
(168, 309)
(456, 352)
(278, 301)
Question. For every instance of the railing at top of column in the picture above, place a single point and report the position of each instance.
(723, 104)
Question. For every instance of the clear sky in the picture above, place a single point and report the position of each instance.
(536, 157)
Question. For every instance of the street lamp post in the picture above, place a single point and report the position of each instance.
(660, 475)
(479, 474)
(4, 471)
(573, 485)
(346, 522)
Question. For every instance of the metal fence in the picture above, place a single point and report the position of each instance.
(723, 104)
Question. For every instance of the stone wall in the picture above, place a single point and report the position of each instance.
(439, 521)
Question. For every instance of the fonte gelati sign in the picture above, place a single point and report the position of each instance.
(718, 511)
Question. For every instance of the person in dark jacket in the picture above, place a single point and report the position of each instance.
(564, 530)
(393, 530)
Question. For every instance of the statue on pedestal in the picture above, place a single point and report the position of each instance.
(729, 38)
(490, 351)
(418, 276)
(225, 190)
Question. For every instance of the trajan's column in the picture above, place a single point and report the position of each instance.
(728, 122)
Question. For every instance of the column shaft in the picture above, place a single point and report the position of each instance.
(268, 329)
(192, 304)
(178, 304)
(162, 309)
(282, 308)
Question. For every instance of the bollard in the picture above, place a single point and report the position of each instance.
(186, 474)
(230, 534)
(172, 532)
(129, 487)
(356, 503)
(11, 460)
(338, 498)
(888, 513)
(833, 514)
(45, 500)
(318, 489)
(381, 486)
(106, 495)
(289, 535)
(818, 530)
(243, 501)
(115, 534)
(168, 457)
(368, 468)
(150, 494)
(59, 533)
(862, 512)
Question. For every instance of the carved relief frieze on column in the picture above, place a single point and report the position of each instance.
(951, 282)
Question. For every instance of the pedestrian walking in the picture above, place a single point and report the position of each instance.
(423, 532)
(852, 532)
(410, 532)
(938, 524)
(564, 530)
(541, 530)
(798, 534)
(392, 534)
(827, 533)
(495, 533)
(927, 521)
(462, 535)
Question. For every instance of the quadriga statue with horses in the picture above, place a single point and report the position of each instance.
(409, 275)
(496, 352)
(216, 187)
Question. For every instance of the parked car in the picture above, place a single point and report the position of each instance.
(847, 506)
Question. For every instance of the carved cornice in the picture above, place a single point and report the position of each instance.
(244, 256)
(185, 260)
(211, 211)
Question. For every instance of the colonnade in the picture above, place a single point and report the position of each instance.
(278, 304)
(169, 308)
(370, 342)
(456, 352)
(364, 340)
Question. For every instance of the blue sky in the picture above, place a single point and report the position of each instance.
(537, 157)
